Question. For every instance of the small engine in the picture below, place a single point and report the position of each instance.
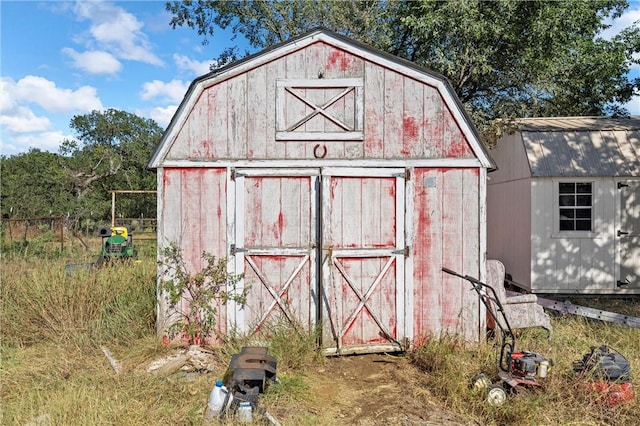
(529, 365)
(608, 373)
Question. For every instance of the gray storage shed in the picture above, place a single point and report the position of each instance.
(563, 210)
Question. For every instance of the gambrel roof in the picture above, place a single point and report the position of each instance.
(401, 66)
(581, 146)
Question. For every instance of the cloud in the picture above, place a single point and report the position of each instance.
(173, 91)
(633, 106)
(22, 128)
(94, 61)
(163, 115)
(22, 120)
(185, 63)
(116, 31)
(40, 91)
(44, 141)
(628, 18)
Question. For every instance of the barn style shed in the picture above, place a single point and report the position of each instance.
(564, 206)
(339, 180)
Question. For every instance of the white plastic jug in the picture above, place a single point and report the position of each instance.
(216, 401)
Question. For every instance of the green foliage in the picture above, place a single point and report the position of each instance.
(265, 23)
(34, 184)
(504, 58)
(194, 298)
(111, 152)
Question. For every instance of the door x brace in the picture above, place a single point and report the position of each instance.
(363, 299)
(277, 296)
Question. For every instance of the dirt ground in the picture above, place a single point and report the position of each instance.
(374, 389)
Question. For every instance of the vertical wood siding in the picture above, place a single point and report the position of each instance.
(277, 237)
(193, 205)
(361, 262)
(447, 234)
(234, 119)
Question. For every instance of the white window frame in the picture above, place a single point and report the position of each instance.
(595, 197)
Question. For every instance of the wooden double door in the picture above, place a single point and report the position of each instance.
(323, 249)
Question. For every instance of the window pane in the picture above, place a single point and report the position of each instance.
(584, 200)
(567, 200)
(566, 213)
(583, 188)
(567, 188)
(583, 213)
(566, 225)
(583, 225)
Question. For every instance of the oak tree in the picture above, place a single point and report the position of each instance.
(504, 58)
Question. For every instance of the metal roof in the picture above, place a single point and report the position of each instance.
(559, 124)
(582, 146)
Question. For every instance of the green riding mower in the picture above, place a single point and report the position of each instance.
(117, 244)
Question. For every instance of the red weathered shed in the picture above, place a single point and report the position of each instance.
(340, 180)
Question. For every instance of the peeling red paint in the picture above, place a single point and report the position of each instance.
(458, 147)
(373, 143)
(434, 224)
(278, 227)
(410, 128)
(166, 180)
(337, 59)
(410, 131)
(207, 148)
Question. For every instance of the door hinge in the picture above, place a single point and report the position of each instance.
(621, 233)
(233, 250)
(622, 185)
(406, 175)
(405, 251)
(235, 174)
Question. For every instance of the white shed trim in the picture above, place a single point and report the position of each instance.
(444, 162)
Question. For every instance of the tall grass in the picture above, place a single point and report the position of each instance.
(563, 398)
(40, 302)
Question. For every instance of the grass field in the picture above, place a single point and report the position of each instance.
(54, 370)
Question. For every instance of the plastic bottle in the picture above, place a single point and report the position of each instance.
(544, 367)
(244, 412)
(216, 401)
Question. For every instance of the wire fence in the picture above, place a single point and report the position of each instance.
(58, 230)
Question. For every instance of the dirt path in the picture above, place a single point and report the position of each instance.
(372, 390)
